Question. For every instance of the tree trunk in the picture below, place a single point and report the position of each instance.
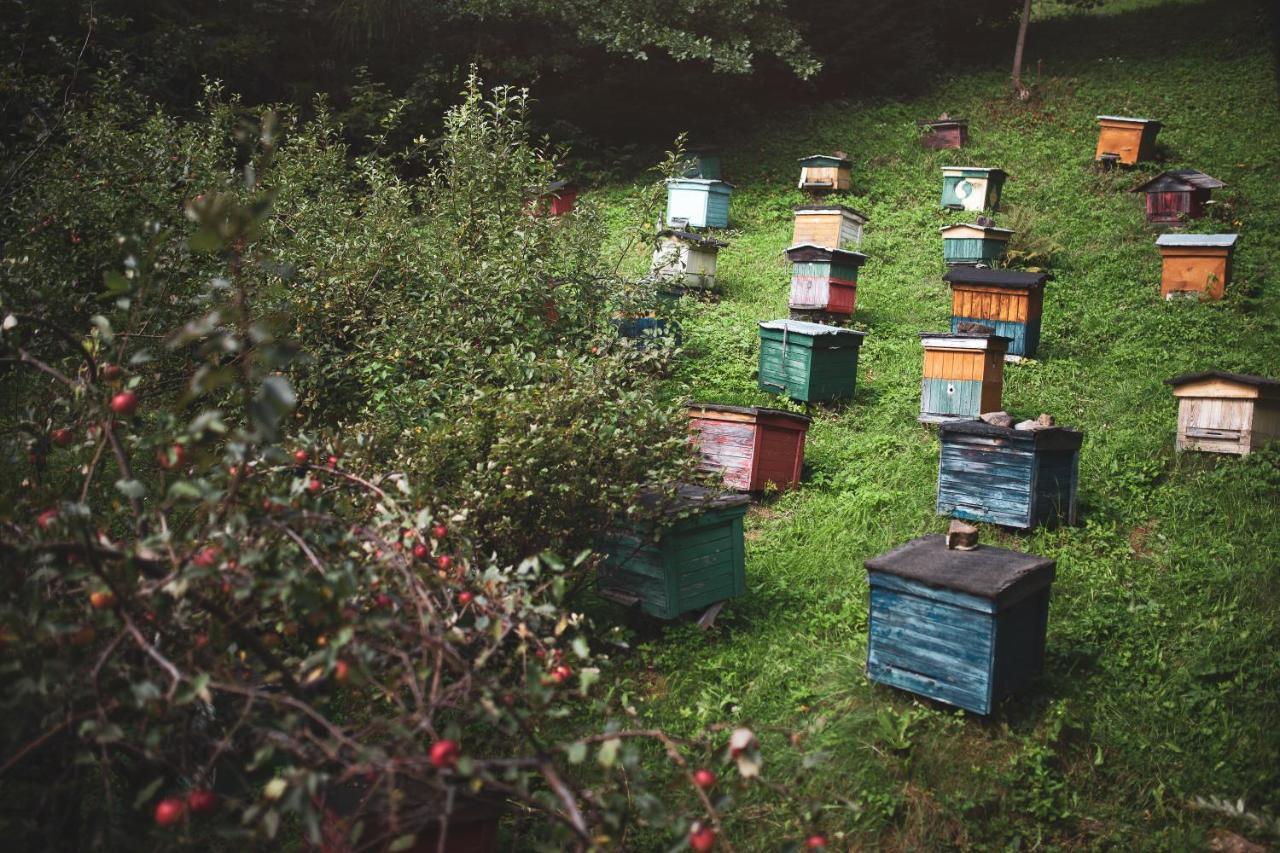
(1020, 90)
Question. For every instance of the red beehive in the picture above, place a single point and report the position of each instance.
(1177, 195)
(557, 199)
(750, 446)
(944, 132)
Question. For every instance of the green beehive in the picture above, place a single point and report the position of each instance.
(694, 564)
(808, 362)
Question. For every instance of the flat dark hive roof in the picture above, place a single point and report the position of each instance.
(996, 574)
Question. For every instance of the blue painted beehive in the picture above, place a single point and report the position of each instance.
(1014, 477)
(964, 627)
(809, 362)
(698, 203)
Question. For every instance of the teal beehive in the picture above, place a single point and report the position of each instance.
(972, 187)
(809, 362)
(698, 203)
(964, 627)
(979, 243)
(693, 562)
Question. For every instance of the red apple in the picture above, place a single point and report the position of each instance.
(702, 838)
(169, 811)
(384, 601)
(314, 487)
(421, 551)
(300, 456)
(172, 458)
(206, 557)
(464, 597)
(704, 778)
(125, 403)
(62, 436)
(445, 753)
(333, 462)
(110, 371)
(341, 671)
(816, 842)
(444, 561)
(101, 599)
(46, 519)
(561, 674)
(439, 531)
(202, 801)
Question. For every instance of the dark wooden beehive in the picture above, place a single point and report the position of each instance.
(1013, 477)
(1178, 195)
(695, 562)
(944, 133)
(963, 627)
(1009, 301)
(753, 448)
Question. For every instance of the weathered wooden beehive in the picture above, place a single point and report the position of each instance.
(557, 199)
(687, 259)
(826, 172)
(824, 279)
(752, 447)
(944, 133)
(1009, 476)
(1195, 264)
(832, 226)
(695, 562)
(1126, 140)
(1009, 301)
(964, 627)
(974, 244)
(963, 374)
(1226, 412)
(698, 203)
(1173, 197)
(809, 362)
(972, 187)
(647, 328)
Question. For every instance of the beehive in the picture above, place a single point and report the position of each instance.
(809, 362)
(698, 203)
(751, 447)
(1126, 139)
(1009, 301)
(1195, 264)
(695, 561)
(1222, 412)
(944, 133)
(962, 627)
(824, 279)
(963, 374)
(974, 244)
(825, 173)
(703, 163)
(686, 259)
(1172, 197)
(1014, 477)
(557, 199)
(831, 226)
(972, 187)
(644, 329)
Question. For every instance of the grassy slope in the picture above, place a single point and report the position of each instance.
(1162, 680)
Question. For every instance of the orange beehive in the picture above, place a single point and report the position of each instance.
(1195, 264)
(1126, 139)
(963, 374)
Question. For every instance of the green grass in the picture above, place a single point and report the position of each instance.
(1163, 678)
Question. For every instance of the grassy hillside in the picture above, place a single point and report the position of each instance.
(1163, 679)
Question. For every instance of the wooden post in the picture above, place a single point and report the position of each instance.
(1020, 90)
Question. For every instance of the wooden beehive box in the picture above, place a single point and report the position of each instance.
(831, 226)
(974, 244)
(687, 259)
(963, 374)
(972, 187)
(648, 328)
(1173, 197)
(698, 203)
(944, 133)
(1195, 264)
(962, 627)
(704, 162)
(1009, 301)
(826, 172)
(1014, 477)
(1226, 412)
(1125, 139)
(557, 199)
(808, 362)
(751, 447)
(824, 279)
(692, 564)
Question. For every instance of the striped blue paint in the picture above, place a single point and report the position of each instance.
(1024, 338)
(1006, 479)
